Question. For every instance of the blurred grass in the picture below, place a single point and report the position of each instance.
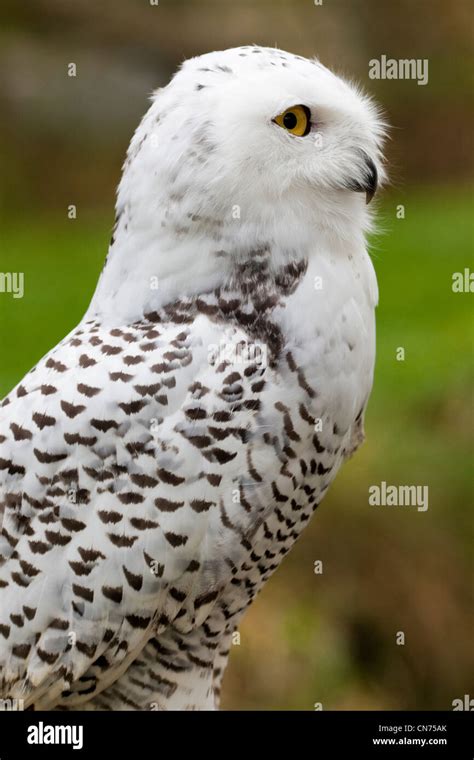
(330, 638)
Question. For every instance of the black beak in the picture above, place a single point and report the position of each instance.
(370, 182)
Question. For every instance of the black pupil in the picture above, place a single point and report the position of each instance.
(290, 120)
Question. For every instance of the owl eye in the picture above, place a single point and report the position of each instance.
(296, 120)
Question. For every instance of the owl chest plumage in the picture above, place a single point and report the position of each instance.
(320, 317)
(167, 466)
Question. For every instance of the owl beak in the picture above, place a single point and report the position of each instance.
(372, 180)
(369, 184)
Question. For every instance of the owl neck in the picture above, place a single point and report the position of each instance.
(170, 250)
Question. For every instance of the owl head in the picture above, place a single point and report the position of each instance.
(246, 148)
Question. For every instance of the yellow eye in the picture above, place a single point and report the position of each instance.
(296, 120)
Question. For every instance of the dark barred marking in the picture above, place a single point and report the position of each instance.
(99, 475)
(20, 580)
(195, 413)
(135, 581)
(104, 425)
(114, 594)
(175, 539)
(178, 596)
(169, 477)
(89, 650)
(90, 555)
(219, 455)
(20, 433)
(84, 593)
(73, 525)
(317, 445)
(86, 361)
(28, 569)
(232, 378)
(80, 568)
(323, 470)
(35, 502)
(131, 360)
(147, 390)
(130, 497)
(198, 390)
(136, 621)
(133, 407)
(166, 505)
(88, 390)
(143, 481)
(73, 439)
(59, 625)
(123, 376)
(21, 651)
(142, 524)
(305, 415)
(48, 657)
(68, 476)
(304, 385)
(289, 429)
(46, 458)
(243, 501)
(206, 599)
(122, 541)
(56, 538)
(249, 371)
(200, 441)
(72, 410)
(147, 346)
(56, 365)
(200, 505)
(111, 350)
(39, 547)
(252, 471)
(300, 375)
(135, 448)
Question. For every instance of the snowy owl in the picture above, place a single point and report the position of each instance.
(158, 463)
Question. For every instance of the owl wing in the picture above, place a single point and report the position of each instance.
(122, 461)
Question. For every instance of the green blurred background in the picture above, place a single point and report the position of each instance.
(309, 638)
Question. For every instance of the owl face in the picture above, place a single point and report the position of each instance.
(272, 130)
